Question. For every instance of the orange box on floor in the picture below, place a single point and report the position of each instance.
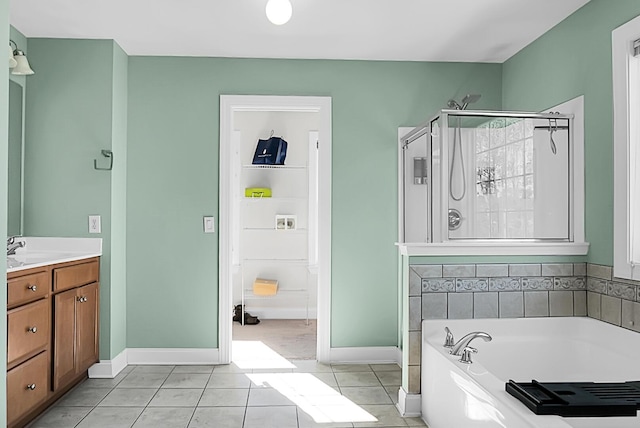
(265, 287)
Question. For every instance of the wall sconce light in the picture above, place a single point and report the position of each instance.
(12, 60)
(18, 61)
(279, 11)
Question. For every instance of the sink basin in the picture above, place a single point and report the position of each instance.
(13, 263)
(31, 258)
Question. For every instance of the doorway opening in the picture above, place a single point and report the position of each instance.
(275, 226)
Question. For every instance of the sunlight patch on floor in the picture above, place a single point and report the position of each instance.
(320, 401)
(323, 403)
(250, 354)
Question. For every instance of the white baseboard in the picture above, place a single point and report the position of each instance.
(365, 355)
(173, 356)
(108, 369)
(199, 356)
(409, 405)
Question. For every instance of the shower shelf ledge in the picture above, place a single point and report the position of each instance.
(486, 248)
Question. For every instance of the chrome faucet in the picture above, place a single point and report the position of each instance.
(464, 342)
(13, 245)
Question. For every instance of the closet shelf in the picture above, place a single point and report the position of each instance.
(276, 199)
(272, 229)
(248, 293)
(301, 167)
(292, 262)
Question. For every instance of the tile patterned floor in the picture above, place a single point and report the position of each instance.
(308, 395)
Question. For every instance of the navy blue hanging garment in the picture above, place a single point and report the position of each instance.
(270, 152)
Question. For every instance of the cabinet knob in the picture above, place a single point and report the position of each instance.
(32, 288)
(33, 329)
(31, 386)
(82, 299)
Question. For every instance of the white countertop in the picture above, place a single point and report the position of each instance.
(46, 251)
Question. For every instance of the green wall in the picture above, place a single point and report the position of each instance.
(69, 120)
(172, 181)
(572, 59)
(4, 131)
(118, 315)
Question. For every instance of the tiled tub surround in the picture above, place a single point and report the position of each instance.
(613, 300)
(490, 291)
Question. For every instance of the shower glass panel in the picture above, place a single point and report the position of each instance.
(505, 176)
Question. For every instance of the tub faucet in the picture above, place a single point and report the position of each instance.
(464, 342)
(12, 245)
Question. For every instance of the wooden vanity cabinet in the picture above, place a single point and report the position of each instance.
(75, 310)
(75, 333)
(28, 341)
(52, 334)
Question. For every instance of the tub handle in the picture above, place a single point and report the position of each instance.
(448, 341)
(466, 354)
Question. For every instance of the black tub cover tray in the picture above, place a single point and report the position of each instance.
(578, 399)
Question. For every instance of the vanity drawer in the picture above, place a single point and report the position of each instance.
(27, 386)
(27, 329)
(76, 275)
(26, 288)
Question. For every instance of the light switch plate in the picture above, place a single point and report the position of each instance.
(209, 224)
(94, 224)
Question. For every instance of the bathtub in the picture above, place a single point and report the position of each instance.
(546, 349)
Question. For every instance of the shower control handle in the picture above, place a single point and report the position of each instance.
(455, 219)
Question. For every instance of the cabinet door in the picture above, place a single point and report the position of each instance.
(64, 368)
(86, 327)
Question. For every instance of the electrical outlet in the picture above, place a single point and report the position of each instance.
(94, 224)
(209, 224)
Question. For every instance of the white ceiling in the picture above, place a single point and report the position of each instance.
(413, 30)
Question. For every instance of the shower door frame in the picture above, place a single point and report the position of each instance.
(441, 233)
(440, 244)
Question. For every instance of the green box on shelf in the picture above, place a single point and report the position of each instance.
(257, 192)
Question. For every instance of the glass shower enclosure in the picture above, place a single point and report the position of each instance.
(487, 175)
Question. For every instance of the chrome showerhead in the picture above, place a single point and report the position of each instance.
(466, 100)
(469, 99)
(454, 104)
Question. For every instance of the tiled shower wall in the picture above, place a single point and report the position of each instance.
(491, 291)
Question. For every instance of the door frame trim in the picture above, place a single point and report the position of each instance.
(229, 104)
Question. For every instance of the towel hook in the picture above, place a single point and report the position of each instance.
(106, 154)
(271, 135)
